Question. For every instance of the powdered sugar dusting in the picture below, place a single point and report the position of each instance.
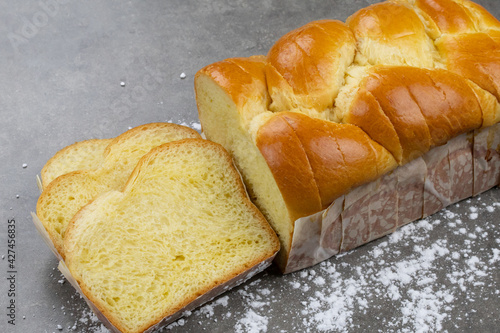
(252, 323)
(194, 125)
(422, 299)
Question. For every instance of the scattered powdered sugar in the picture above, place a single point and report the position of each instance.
(495, 257)
(91, 323)
(252, 323)
(194, 125)
(421, 299)
(473, 216)
(81, 318)
(208, 309)
(333, 310)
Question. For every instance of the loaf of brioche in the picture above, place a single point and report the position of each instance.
(182, 226)
(103, 169)
(338, 110)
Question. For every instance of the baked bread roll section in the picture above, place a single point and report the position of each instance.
(306, 67)
(338, 157)
(410, 110)
(397, 107)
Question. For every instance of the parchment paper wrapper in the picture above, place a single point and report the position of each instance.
(486, 155)
(218, 290)
(467, 165)
(45, 235)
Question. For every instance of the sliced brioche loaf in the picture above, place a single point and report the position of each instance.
(64, 196)
(182, 226)
(83, 155)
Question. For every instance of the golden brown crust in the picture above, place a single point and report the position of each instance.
(467, 38)
(389, 33)
(287, 159)
(311, 157)
(403, 112)
(306, 66)
(481, 17)
(385, 20)
(366, 113)
(475, 56)
(448, 15)
(340, 155)
(490, 107)
(409, 110)
(455, 16)
(239, 77)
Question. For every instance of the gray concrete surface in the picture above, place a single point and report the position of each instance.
(61, 65)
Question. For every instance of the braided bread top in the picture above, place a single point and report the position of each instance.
(334, 105)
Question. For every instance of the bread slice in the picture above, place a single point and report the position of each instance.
(232, 110)
(83, 155)
(182, 225)
(64, 196)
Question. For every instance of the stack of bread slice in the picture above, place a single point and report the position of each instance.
(108, 168)
(156, 225)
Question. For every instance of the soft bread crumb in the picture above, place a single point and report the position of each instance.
(182, 225)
